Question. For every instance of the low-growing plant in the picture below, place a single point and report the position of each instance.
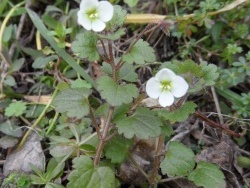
(95, 124)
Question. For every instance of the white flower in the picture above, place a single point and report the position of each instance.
(166, 85)
(93, 14)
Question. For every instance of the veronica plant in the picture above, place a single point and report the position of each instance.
(165, 86)
(100, 132)
(93, 14)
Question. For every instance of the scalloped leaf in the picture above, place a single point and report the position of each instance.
(207, 175)
(178, 161)
(142, 124)
(73, 101)
(15, 109)
(127, 72)
(85, 174)
(140, 53)
(114, 93)
(85, 46)
(114, 36)
(179, 115)
(118, 18)
(210, 73)
(190, 66)
(117, 149)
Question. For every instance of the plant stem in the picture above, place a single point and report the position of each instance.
(92, 117)
(137, 165)
(51, 125)
(112, 62)
(104, 136)
(152, 178)
(170, 179)
(38, 119)
(104, 50)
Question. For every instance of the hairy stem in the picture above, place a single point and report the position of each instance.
(104, 136)
(152, 178)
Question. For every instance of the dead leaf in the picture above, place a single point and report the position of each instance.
(43, 99)
(31, 152)
(221, 154)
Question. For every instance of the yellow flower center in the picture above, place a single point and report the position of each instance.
(92, 14)
(166, 85)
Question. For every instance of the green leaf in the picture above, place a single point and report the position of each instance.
(79, 83)
(61, 52)
(86, 175)
(9, 80)
(37, 171)
(140, 53)
(179, 115)
(62, 150)
(114, 93)
(8, 32)
(15, 109)
(131, 3)
(117, 149)
(178, 161)
(9, 128)
(190, 66)
(208, 176)
(174, 65)
(118, 18)
(85, 46)
(167, 130)
(142, 124)
(53, 169)
(119, 112)
(37, 180)
(216, 31)
(126, 72)
(42, 62)
(114, 36)
(73, 101)
(106, 67)
(53, 185)
(16, 65)
(210, 73)
(34, 111)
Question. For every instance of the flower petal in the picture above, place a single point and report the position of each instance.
(105, 11)
(179, 87)
(153, 88)
(166, 99)
(165, 75)
(83, 20)
(98, 25)
(86, 5)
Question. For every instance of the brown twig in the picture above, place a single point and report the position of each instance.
(104, 136)
(152, 178)
(216, 125)
(111, 135)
